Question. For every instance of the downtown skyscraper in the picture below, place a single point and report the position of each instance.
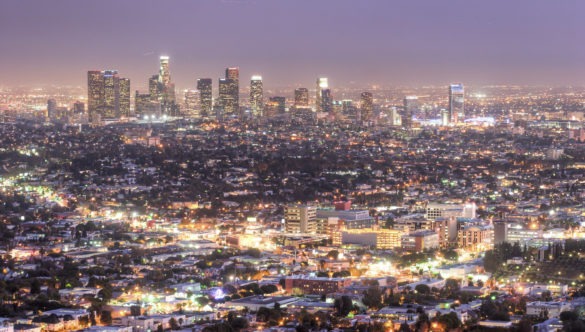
(167, 88)
(366, 106)
(161, 88)
(301, 97)
(410, 108)
(108, 95)
(229, 91)
(322, 86)
(204, 85)
(256, 96)
(456, 103)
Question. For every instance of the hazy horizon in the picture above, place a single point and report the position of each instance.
(291, 43)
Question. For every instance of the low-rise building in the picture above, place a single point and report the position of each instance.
(315, 285)
(546, 309)
(419, 241)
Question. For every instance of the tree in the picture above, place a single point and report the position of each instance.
(106, 317)
(422, 289)
(35, 286)
(422, 322)
(239, 323)
(404, 327)
(450, 321)
(373, 297)
(451, 286)
(135, 310)
(343, 305)
(173, 323)
(525, 325)
(268, 289)
(83, 321)
(254, 252)
(333, 254)
(219, 327)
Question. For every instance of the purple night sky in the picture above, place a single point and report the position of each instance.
(291, 42)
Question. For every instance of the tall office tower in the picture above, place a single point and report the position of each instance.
(141, 103)
(108, 94)
(165, 85)
(326, 101)
(456, 103)
(228, 96)
(95, 91)
(366, 105)
(256, 96)
(192, 103)
(347, 105)
(444, 117)
(233, 73)
(410, 108)
(154, 89)
(300, 219)
(395, 117)
(279, 103)
(206, 96)
(111, 101)
(231, 95)
(124, 97)
(301, 97)
(164, 73)
(78, 107)
(322, 84)
(52, 108)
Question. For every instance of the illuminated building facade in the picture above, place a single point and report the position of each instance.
(410, 108)
(300, 219)
(227, 100)
(52, 108)
(420, 240)
(322, 84)
(447, 230)
(438, 210)
(315, 285)
(278, 105)
(301, 97)
(366, 105)
(166, 87)
(192, 103)
(110, 105)
(95, 90)
(476, 238)
(378, 238)
(229, 91)
(326, 101)
(204, 85)
(154, 89)
(141, 103)
(124, 97)
(164, 74)
(256, 96)
(456, 103)
(78, 108)
(108, 94)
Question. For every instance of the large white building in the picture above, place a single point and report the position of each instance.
(551, 309)
(438, 210)
(300, 219)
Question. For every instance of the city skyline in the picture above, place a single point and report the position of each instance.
(352, 43)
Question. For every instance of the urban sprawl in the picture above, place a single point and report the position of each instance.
(290, 210)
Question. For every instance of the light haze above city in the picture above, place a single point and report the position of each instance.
(289, 43)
